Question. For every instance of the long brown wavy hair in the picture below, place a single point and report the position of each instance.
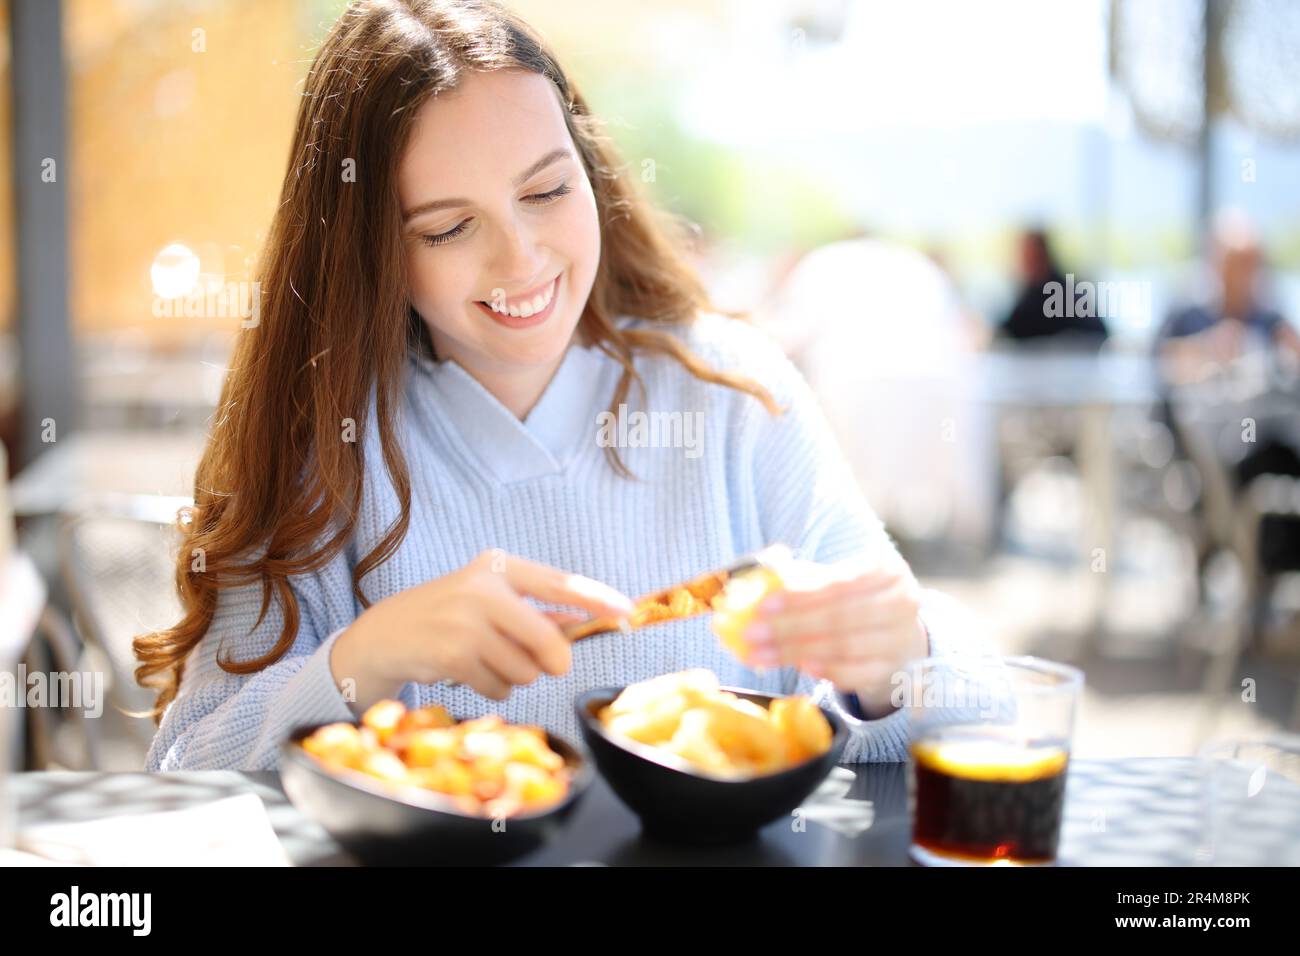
(276, 492)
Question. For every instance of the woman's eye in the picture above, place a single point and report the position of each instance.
(542, 198)
(447, 236)
(537, 199)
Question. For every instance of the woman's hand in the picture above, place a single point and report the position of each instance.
(852, 623)
(471, 626)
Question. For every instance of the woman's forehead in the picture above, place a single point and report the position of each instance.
(488, 128)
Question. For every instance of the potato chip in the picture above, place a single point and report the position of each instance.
(695, 742)
(689, 715)
(693, 684)
(801, 723)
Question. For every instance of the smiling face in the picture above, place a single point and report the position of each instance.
(498, 210)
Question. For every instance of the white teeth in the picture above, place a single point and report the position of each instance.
(525, 309)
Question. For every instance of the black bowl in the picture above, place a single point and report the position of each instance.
(681, 806)
(399, 826)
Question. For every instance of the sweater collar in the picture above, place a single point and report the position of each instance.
(559, 424)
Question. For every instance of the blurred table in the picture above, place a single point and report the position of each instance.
(95, 464)
(1036, 377)
(1095, 386)
(127, 385)
(1220, 414)
(1130, 812)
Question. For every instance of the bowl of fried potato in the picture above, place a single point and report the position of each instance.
(701, 763)
(418, 787)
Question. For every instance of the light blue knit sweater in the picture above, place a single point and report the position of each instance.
(542, 488)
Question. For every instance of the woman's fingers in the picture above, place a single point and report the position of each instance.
(829, 649)
(510, 662)
(560, 587)
(531, 630)
(484, 680)
(828, 595)
(563, 619)
(851, 614)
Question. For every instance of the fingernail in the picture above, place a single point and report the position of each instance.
(620, 602)
(758, 633)
(772, 605)
(764, 657)
(590, 587)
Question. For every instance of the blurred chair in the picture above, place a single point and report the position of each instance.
(116, 556)
(1266, 496)
(54, 647)
(1232, 519)
(22, 599)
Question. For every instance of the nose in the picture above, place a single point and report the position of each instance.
(518, 258)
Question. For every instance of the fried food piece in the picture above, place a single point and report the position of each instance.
(653, 724)
(383, 718)
(528, 746)
(695, 684)
(800, 721)
(735, 607)
(446, 775)
(385, 765)
(532, 785)
(649, 613)
(427, 748)
(339, 745)
(414, 721)
(489, 777)
(689, 715)
(706, 590)
(483, 766)
(748, 739)
(685, 601)
(695, 742)
(424, 718)
(650, 711)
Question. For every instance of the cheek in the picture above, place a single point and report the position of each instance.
(578, 230)
(436, 282)
(441, 279)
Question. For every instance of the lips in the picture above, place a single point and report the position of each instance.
(521, 321)
(528, 298)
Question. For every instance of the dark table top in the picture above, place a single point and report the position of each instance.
(1129, 812)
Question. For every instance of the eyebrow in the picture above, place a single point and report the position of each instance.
(553, 156)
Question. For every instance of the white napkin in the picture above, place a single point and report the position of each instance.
(831, 806)
(234, 831)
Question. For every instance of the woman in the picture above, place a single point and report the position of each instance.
(410, 475)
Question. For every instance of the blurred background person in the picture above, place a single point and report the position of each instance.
(884, 339)
(1049, 305)
(1235, 318)
(1228, 354)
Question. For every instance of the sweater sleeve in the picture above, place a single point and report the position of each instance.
(225, 721)
(806, 496)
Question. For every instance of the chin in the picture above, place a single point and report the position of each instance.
(546, 349)
(540, 346)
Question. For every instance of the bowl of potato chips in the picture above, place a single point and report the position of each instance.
(701, 763)
(417, 786)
